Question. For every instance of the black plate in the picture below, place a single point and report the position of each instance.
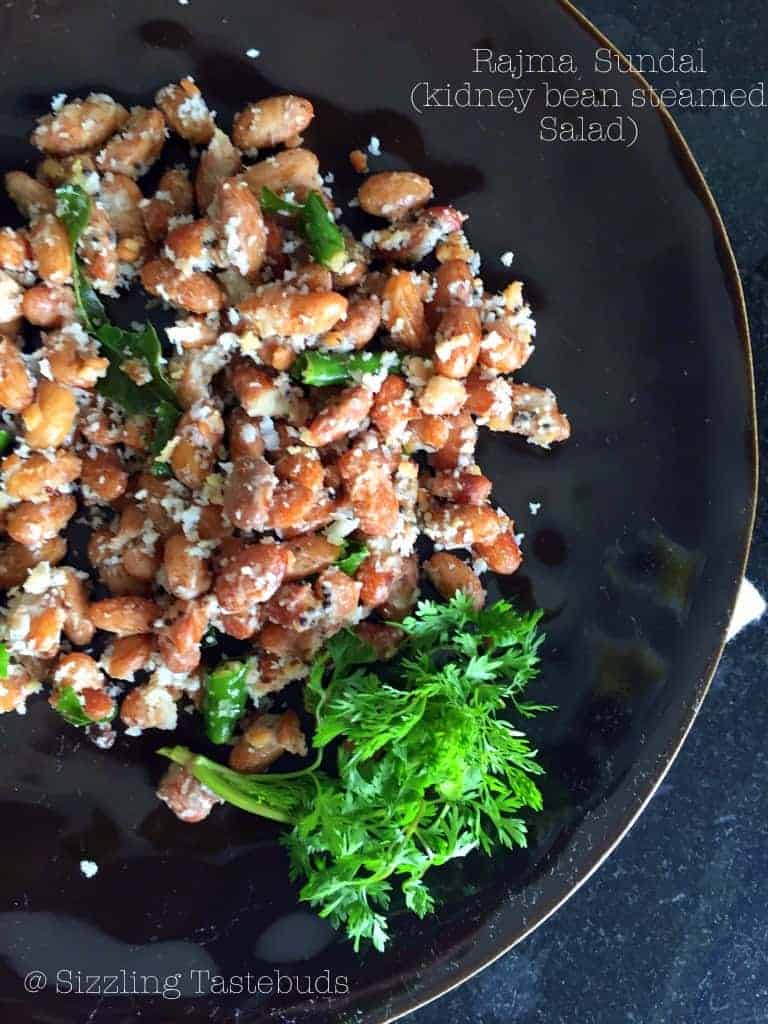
(636, 553)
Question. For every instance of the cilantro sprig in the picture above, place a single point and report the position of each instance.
(429, 765)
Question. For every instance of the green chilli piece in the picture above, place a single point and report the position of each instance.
(72, 710)
(6, 440)
(327, 369)
(224, 699)
(325, 240)
(5, 661)
(352, 557)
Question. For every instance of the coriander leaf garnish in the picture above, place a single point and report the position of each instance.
(325, 240)
(72, 710)
(5, 661)
(428, 765)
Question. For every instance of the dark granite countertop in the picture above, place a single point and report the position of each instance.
(673, 929)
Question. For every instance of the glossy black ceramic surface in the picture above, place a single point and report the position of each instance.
(636, 552)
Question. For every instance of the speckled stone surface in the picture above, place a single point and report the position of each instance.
(674, 928)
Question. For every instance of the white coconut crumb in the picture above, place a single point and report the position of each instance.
(534, 507)
(184, 3)
(374, 146)
(343, 522)
(42, 578)
(507, 258)
(89, 867)
(58, 101)
(253, 53)
(133, 730)
(269, 433)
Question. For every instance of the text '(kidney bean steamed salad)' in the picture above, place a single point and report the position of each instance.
(254, 479)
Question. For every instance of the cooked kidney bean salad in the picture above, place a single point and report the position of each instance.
(259, 471)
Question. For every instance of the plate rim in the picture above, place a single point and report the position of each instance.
(395, 1000)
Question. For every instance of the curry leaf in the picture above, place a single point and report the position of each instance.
(73, 208)
(142, 344)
